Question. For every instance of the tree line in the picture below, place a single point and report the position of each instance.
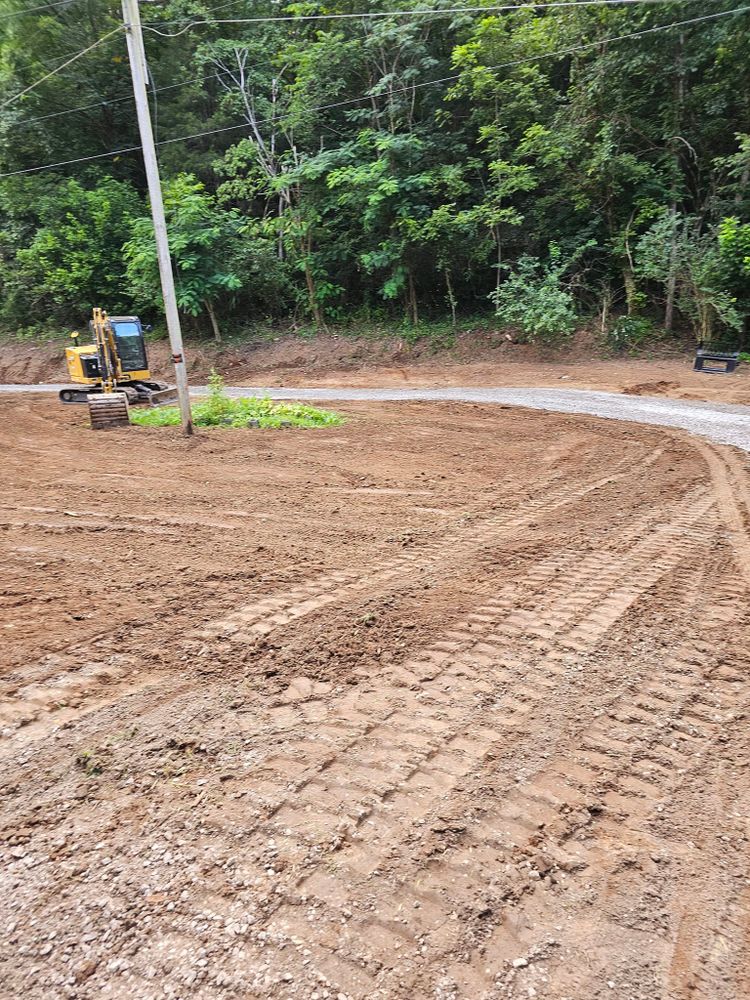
(547, 165)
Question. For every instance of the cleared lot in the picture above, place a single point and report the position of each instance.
(446, 702)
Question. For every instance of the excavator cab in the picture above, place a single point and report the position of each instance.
(130, 346)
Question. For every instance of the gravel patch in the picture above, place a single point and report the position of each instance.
(723, 423)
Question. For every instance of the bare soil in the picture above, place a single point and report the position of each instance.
(482, 358)
(448, 702)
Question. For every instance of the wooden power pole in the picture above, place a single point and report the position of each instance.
(137, 55)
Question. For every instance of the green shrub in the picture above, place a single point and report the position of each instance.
(534, 300)
(218, 405)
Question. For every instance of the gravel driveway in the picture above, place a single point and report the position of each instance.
(719, 422)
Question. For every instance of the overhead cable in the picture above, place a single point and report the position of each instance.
(33, 86)
(105, 102)
(420, 12)
(32, 10)
(409, 89)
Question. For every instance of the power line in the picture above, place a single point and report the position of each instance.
(32, 10)
(57, 69)
(79, 159)
(366, 97)
(48, 62)
(128, 97)
(181, 20)
(113, 100)
(422, 12)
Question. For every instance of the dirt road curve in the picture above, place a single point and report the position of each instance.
(724, 423)
(448, 702)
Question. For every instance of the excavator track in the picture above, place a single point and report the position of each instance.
(151, 393)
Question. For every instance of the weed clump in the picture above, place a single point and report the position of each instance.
(220, 410)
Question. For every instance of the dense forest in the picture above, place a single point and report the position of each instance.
(329, 163)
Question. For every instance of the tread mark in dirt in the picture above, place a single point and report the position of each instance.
(431, 758)
(577, 617)
(262, 617)
(564, 580)
(54, 686)
(611, 756)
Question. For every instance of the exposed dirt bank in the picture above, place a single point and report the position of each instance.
(479, 360)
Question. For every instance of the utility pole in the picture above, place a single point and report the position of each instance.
(137, 55)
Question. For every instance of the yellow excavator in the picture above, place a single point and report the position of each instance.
(115, 362)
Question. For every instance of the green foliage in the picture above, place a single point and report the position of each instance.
(393, 168)
(205, 244)
(675, 248)
(629, 333)
(734, 245)
(73, 259)
(220, 410)
(534, 299)
(734, 255)
(218, 405)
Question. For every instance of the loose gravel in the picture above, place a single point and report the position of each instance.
(723, 423)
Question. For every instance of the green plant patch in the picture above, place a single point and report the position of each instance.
(254, 412)
(219, 410)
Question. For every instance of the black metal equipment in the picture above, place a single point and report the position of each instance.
(715, 362)
(716, 358)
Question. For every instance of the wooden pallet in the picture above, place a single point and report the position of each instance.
(108, 409)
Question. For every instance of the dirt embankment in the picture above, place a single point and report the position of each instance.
(448, 702)
(484, 358)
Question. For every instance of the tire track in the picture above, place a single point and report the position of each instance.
(609, 789)
(577, 620)
(261, 617)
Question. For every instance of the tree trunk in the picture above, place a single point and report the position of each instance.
(412, 300)
(499, 259)
(744, 180)
(315, 309)
(280, 213)
(679, 99)
(630, 290)
(669, 307)
(606, 306)
(672, 277)
(451, 296)
(212, 317)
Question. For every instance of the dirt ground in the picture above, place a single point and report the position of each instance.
(448, 702)
(482, 359)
